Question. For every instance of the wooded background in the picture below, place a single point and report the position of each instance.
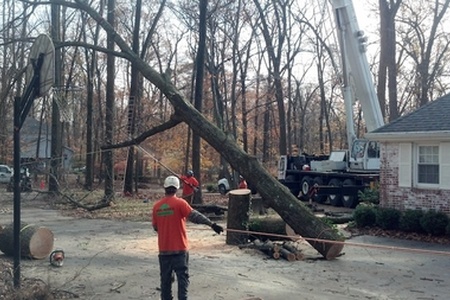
(266, 72)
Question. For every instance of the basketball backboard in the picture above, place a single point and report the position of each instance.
(42, 45)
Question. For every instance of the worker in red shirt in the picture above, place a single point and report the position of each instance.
(190, 186)
(242, 183)
(169, 217)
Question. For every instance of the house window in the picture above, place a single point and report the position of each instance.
(428, 165)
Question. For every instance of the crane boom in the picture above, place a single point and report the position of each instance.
(355, 65)
(339, 177)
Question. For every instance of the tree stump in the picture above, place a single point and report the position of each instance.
(238, 216)
(35, 242)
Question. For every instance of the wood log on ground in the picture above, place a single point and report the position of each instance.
(35, 242)
(339, 218)
(298, 253)
(268, 224)
(238, 216)
(288, 255)
(271, 245)
(269, 248)
(274, 255)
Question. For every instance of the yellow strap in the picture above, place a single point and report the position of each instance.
(25, 227)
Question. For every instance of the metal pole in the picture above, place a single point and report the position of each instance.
(17, 125)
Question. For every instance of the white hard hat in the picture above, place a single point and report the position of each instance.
(172, 181)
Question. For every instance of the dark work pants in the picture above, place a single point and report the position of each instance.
(177, 263)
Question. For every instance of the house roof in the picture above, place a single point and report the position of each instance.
(431, 121)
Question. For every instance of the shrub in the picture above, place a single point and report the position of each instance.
(434, 223)
(364, 215)
(387, 218)
(410, 221)
(370, 195)
(211, 188)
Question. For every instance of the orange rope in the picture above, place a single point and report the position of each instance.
(383, 247)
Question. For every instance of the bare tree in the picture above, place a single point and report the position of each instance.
(421, 34)
(387, 69)
(275, 42)
(108, 158)
(198, 95)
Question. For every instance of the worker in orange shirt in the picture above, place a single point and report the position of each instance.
(190, 186)
(169, 217)
(242, 183)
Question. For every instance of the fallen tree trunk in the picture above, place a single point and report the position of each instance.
(35, 242)
(293, 212)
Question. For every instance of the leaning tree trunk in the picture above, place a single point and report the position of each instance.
(293, 212)
(35, 242)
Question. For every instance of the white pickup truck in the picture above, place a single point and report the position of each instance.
(6, 173)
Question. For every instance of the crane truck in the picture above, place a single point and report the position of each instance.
(337, 178)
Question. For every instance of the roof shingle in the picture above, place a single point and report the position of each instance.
(434, 116)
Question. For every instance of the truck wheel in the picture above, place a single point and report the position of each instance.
(322, 198)
(222, 189)
(349, 201)
(335, 200)
(306, 187)
(295, 189)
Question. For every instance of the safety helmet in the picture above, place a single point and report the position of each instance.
(172, 181)
(190, 173)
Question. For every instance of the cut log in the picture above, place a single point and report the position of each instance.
(269, 244)
(288, 255)
(298, 253)
(274, 255)
(238, 216)
(269, 248)
(268, 224)
(35, 242)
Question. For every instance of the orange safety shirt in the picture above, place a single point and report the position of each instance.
(189, 183)
(243, 184)
(169, 218)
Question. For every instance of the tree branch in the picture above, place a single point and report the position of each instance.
(174, 121)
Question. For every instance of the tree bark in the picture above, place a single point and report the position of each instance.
(238, 216)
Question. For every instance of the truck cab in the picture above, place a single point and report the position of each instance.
(365, 155)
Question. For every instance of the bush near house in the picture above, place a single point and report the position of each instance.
(364, 215)
(432, 222)
(387, 218)
(410, 221)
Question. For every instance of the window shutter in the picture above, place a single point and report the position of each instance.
(444, 165)
(405, 165)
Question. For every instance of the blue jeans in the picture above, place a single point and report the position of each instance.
(177, 263)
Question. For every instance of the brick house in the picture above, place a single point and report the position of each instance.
(415, 159)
